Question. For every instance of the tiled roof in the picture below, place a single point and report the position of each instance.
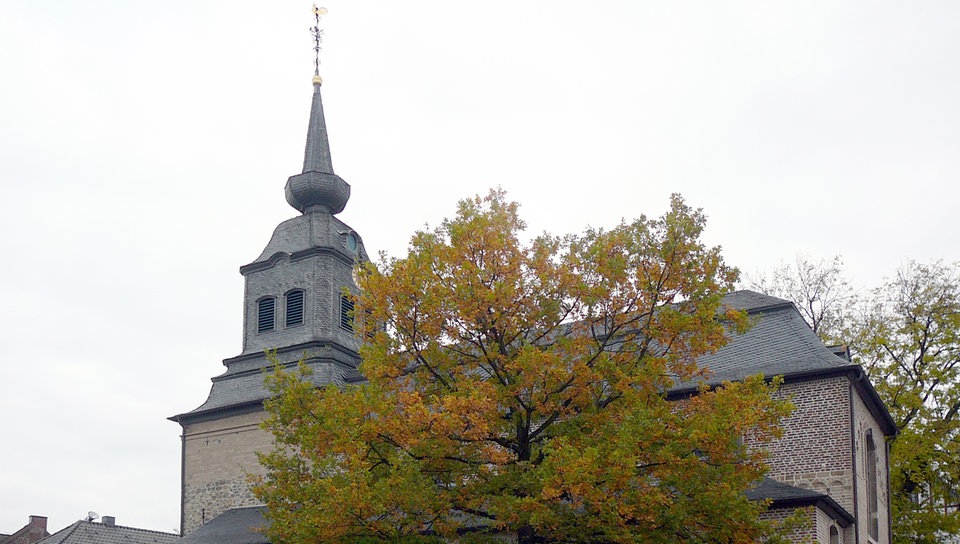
(779, 342)
(752, 300)
(782, 495)
(300, 233)
(235, 526)
(88, 532)
(233, 389)
(776, 491)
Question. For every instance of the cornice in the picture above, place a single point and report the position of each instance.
(272, 261)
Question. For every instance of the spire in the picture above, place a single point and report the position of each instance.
(316, 158)
(317, 188)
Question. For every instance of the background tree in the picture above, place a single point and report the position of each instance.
(909, 341)
(818, 289)
(906, 334)
(521, 388)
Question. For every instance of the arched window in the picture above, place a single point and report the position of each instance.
(873, 500)
(294, 308)
(834, 535)
(266, 314)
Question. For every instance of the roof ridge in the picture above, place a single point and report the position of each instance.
(136, 529)
(774, 306)
(112, 532)
(813, 340)
(72, 527)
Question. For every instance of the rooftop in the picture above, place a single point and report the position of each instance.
(88, 532)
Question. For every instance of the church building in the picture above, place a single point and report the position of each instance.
(831, 462)
(294, 303)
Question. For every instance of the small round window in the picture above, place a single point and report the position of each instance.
(352, 242)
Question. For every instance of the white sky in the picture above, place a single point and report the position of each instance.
(144, 148)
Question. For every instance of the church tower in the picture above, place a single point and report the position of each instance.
(293, 303)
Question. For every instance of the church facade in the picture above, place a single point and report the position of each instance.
(831, 462)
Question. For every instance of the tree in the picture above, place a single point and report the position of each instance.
(818, 289)
(522, 388)
(909, 341)
(906, 334)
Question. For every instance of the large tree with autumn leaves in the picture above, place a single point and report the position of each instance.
(521, 388)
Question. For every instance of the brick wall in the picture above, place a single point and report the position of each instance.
(824, 524)
(825, 450)
(814, 452)
(805, 532)
(814, 527)
(30, 533)
(863, 422)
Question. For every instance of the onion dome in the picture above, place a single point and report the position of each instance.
(317, 188)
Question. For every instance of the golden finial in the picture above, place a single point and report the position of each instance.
(317, 39)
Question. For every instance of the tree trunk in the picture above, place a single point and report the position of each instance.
(525, 535)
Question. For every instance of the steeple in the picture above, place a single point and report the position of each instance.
(295, 306)
(317, 188)
(316, 157)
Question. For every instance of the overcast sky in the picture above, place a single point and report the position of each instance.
(144, 148)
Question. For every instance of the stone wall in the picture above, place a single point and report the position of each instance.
(218, 457)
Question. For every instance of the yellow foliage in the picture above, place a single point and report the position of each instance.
(522, 388)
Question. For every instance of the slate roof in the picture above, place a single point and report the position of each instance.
(247, 388)
(782, 495)
(777, 491)
(779, 342)
(235, 526)
(306, 232)
(88, 532)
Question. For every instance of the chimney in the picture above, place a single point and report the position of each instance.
(109, 521)
(38, 522)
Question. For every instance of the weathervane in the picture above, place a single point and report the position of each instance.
(317, 39)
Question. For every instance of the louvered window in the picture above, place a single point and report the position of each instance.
(346, 313)
(266, 311)
(294, 313)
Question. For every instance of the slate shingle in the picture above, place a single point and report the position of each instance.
(786, 496)
(235, 526)
(778, 343)
(88, 532)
